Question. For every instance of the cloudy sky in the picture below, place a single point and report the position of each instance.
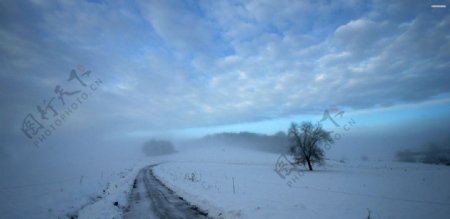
(186, 68)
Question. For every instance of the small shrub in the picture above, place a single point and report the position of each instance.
(193, 177)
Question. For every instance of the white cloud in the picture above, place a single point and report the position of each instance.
(206, 63)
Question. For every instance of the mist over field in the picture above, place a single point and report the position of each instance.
(99, 98)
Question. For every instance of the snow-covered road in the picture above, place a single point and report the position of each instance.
(150, 198)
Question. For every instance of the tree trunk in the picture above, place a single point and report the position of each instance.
(309, 165)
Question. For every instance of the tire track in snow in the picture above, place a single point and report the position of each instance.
(150, 198)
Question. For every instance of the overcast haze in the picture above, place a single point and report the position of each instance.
(183, 69)
(84, 84)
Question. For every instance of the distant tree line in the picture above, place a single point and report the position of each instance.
(276, 143)
(304, 142)
(430, 154)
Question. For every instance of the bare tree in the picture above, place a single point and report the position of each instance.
(305, 141)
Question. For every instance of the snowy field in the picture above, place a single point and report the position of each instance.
(89, 192)
(205, 177)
